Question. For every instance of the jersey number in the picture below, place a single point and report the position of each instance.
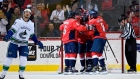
(103, 27)
(64, 31)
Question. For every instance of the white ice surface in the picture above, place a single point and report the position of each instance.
(52, 75)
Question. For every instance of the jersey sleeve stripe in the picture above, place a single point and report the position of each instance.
(31, 35)
(13, 30)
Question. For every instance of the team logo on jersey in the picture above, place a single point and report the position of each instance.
(23, 35)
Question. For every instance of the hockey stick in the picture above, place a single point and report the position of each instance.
(31, 44)
(105, 54)
(55, 49)
(112, 52)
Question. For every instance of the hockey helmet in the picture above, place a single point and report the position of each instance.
(93, 14)
(84, 18)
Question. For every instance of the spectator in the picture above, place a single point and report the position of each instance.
(57, 16)
(89, 5)
(44, 13)
(51, 32)
(133, 17)
(13, 4)
(8, 9)
(41, 17)
(33, 3)
(5, 6)
(134, 20)
(3, 23)
(20, 3)
(16, 14)
(26, 3)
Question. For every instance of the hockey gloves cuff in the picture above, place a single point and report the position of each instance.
(6, 38)
(40, 44)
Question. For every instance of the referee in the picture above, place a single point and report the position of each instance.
(130, 44)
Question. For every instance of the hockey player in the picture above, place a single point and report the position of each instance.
(19, 34)
(89, 42)
(69, 39)
(99, 41)
(82, 43)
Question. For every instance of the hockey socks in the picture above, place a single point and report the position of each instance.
(95, 58)
(102, 62)
(82, 62)
(72, 59)
(88, 59)
(21, 70)
(67, 62)
(6, 65)
(22, 67)
(95, 61)
(82, 59)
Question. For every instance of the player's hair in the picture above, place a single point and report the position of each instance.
(122, 17)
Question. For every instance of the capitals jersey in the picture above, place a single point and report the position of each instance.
(89, 34)
(22, 31)
(81, 37)
(70, 29)
(99, 26)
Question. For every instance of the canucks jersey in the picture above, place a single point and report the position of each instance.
(22, 31)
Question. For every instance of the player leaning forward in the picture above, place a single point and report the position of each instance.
(19, 34)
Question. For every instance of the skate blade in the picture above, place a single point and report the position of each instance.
(82, 73)
(103, 73)
(65, 73)
(68, 73)
(94, 73)
(132, 73)
(87, 72)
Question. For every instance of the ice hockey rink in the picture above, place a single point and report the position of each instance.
(54, 75)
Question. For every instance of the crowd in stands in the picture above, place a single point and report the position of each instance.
(47, 17)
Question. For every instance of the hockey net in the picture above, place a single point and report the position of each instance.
(113, 54)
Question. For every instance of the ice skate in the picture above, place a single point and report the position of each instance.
(74, 71)
(21, 77)
(88, 69)
(68, 71)
(131, 71)
(82, 70)
(103, 70)
(2, 77)
(65, 70)
(94, 70)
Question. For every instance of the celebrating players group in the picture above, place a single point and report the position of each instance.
(84, 33)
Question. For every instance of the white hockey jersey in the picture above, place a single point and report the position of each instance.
(22, 31)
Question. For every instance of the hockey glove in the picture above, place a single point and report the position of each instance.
(40, 45)
(6, 38)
